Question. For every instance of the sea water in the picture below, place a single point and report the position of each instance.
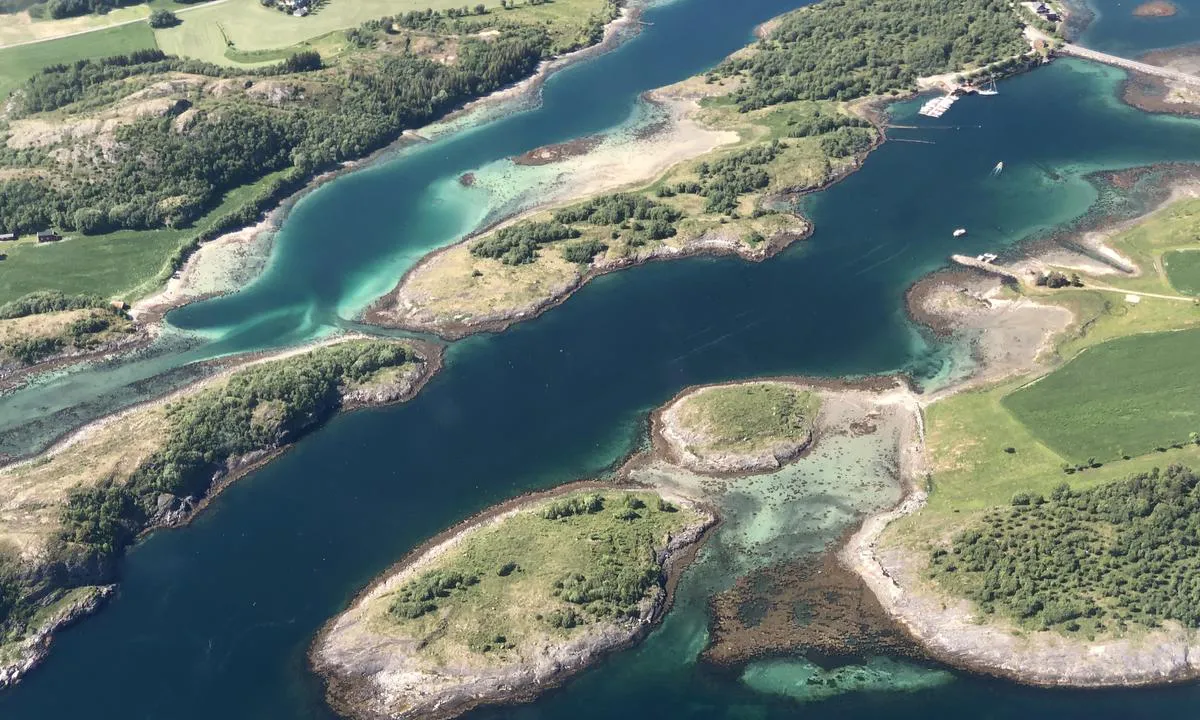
(214, 621)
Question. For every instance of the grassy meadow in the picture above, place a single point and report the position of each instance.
(126, 264)
(564, 563)
(1183, 270)
(18, 63)
(1125, 397)
(245, 32)
(749, 417)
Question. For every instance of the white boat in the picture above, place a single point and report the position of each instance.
(960, 232)
(998, 169)
(989, 88)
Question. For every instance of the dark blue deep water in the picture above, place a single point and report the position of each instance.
(214, 621)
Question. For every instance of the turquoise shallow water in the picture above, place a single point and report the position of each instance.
(214, 621)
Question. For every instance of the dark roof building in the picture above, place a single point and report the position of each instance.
(48, 236)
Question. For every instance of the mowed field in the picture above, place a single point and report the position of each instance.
(126, 264)
(1183, 270)
(1125, 397)
(20, 28)
(107, 265)
(18, 63)
(206, 33)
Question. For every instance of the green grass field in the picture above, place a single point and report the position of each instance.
(105, 264)
(1129, 396)
(225, 33)
(1183, 270)
(749, 416)
(121, 264)
(535, 575)
(18, 63)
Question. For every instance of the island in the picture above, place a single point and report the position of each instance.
(1155, 8)
(67, 515)
(739, 428)
(534, 590)
(783, 117)
(510, 603)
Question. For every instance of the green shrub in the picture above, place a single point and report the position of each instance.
(160, 18)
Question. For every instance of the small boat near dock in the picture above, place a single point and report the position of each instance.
(960, 232)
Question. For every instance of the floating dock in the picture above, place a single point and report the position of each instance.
(937, 107)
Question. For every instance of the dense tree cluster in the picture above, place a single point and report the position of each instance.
(821, 121)
(617, 209)
(420, 596)
(637, 217)
(518, 244)
(582, 251)
(1124, 552)
(259, 408)
(46, 301)
(568, 507)
(58, 9)
(847, 49)
(626, 569)
(724, 181)
(847, 141)
(160, 18)
(161, 176)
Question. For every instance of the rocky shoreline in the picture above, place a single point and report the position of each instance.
(948, 628)
(12, 378)
(395, 311)
(255, 239)
(172, 511)
(356, 680)
(1160, 95)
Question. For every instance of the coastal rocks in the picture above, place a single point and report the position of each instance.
(1155, 8)
(1156, 94)
(810, 605)
(550, 154)
(377, 669)
(688, 429)
(15, 663)
(951, 631)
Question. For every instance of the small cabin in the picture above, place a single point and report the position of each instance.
(46, 236)
(1042, 9)
(7, 237)
(1053, 16)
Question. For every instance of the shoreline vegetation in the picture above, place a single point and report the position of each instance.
(67, 515)
(416, 644)
(393, 654)
(782, 139)
(47, 330)
(950, 563)
(145, 102)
